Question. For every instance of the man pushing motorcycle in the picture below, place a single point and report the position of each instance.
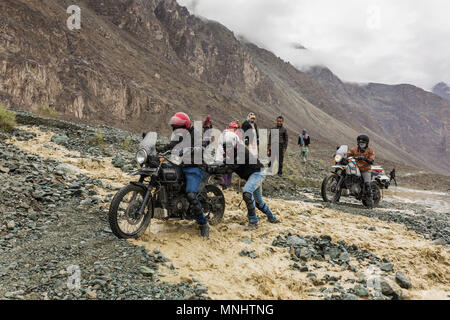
(365, 158)
(240, 160)
(183, 143)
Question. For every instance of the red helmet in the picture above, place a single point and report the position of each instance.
(233, 126)
(180, 120)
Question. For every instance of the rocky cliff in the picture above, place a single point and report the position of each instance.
(134, 62)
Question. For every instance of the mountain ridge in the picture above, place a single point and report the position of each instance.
(135, 62)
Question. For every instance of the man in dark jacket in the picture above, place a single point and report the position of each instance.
(283, 141)
(251, 134)
(393, 177)
(183, 143)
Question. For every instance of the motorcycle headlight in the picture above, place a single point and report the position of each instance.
(338, 158)
(141, 157)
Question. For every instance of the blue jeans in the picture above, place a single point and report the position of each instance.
(254, 187)
(194, 178)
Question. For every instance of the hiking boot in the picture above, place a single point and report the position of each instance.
(251, 226)
(275, 221)
(204, 230)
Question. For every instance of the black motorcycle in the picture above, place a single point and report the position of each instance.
(346, 180)
(160, 194)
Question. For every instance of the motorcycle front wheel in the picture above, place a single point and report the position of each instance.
(329, 189)
(376, 192)
(124, 218)
(213, 204)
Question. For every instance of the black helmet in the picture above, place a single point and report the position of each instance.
(363, 138)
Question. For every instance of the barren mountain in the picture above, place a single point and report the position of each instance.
(134, 62)
(442, 90)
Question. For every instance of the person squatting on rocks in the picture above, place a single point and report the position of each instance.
(251, 134)
(365, 157)
(283, 141)
(240, 160)
(393, 177)
(304, 143)
(184, 133)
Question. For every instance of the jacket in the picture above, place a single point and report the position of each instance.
(186, 149)
(362, 165)
(283, 138)
(249, 167)
(247, 126)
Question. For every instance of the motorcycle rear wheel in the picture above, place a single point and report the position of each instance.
(129, 199)
(328, 189)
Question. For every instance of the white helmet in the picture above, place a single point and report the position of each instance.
(229, 139)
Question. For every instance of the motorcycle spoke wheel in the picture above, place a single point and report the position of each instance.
(124, 217)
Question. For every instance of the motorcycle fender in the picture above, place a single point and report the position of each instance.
(143, 172)
(143, 186)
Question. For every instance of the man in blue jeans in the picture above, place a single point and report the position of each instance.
(181, 124)
(248, 167)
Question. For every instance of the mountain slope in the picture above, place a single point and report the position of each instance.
(442, 90)
(135, 62)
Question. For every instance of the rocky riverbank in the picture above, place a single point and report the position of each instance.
(59, 177)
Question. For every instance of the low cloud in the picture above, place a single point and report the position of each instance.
(402, 41)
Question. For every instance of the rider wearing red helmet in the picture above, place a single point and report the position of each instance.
(183, 140)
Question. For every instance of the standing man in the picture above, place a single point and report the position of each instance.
(392, 175)
(251, 134)
(283, 140)
(304, 143)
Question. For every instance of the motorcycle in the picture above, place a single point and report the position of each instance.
(346, 180)
(160, 194)
(380, 177)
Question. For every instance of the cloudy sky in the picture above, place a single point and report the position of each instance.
(401, 41)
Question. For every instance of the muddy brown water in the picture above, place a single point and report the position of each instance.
(217, 264)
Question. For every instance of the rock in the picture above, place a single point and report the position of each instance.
(4, 170)
(118, 162)
(440, 242)
(387, 267)
(385, 287)
(86, 202)
(361, 292)
(303, 269)
(303, 253)
(295, 241)
(91, 295)
(247, 241)
(349, 296)
(67, 169)
(11, 225)
(344, 256)
(333, 253)
(147, 272)
(402, 280)
(60, 139)
(253, 255)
